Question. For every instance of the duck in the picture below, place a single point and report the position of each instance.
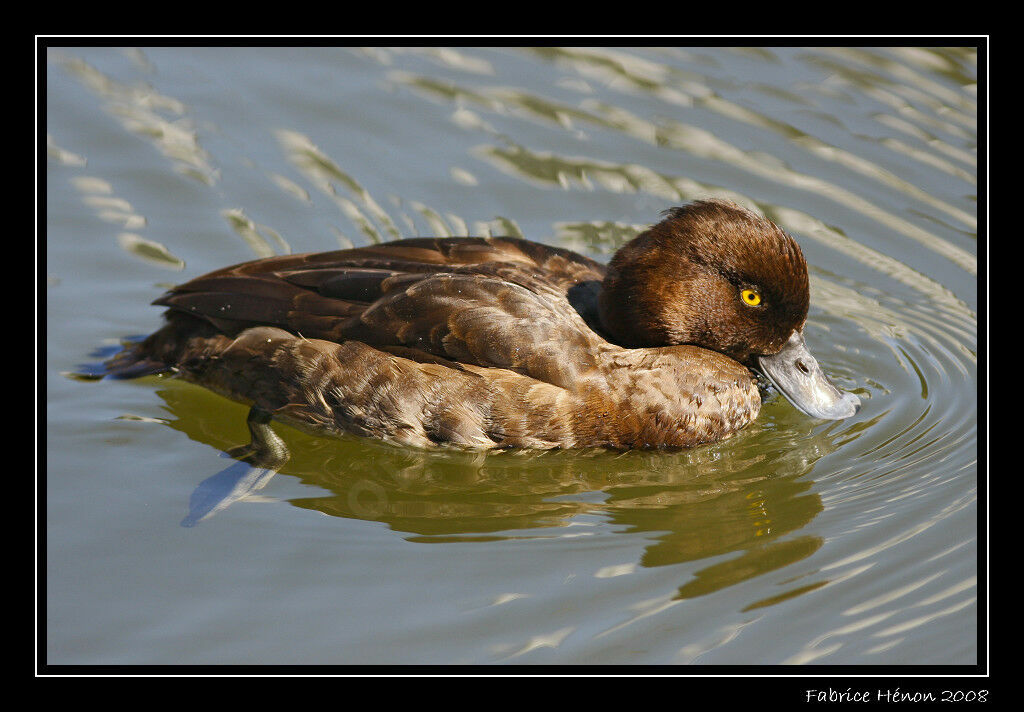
(489, 343)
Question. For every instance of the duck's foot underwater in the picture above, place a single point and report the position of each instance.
(258, 462)
(266, 449)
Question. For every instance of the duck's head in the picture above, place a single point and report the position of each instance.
(716, 275)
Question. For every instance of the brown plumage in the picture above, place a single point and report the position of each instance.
(498, 342)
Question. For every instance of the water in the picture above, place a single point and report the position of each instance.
(797, 542)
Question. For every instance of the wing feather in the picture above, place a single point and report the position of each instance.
(500, 302)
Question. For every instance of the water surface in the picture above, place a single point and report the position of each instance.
(796, 542)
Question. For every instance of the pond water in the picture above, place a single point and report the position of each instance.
(798, 542)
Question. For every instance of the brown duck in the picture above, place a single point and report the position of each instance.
(501, 342)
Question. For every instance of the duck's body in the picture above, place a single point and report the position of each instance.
(499, 342)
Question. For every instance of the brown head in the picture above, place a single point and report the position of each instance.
(711, 274)
(716, 275)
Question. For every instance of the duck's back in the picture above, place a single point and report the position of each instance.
(493, 302)
(324, 294)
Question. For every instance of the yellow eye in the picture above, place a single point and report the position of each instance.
(750, 297)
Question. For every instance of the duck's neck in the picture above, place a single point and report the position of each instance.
(641, 289)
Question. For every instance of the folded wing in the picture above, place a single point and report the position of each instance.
(498, 302)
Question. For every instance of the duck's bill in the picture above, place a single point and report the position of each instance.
(800, 379)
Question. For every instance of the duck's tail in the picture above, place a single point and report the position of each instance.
(133, 362)
(128, 360)
(160, 352)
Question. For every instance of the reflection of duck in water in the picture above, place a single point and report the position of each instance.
(500, 342)
(688, 503)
